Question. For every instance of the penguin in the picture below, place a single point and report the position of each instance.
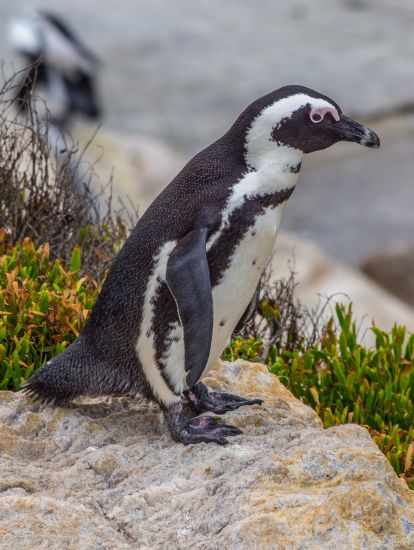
(191, 266)
(58, 62)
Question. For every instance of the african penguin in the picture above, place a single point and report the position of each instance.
(59, 63)
(189, 269)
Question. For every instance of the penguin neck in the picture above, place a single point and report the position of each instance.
(278, 161)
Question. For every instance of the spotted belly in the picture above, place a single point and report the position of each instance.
(238, 283)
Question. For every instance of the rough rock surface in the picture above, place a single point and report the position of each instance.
(107, 476)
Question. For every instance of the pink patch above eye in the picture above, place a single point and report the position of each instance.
(318, 114)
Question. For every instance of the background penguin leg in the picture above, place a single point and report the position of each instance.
(203, 400)
(187, 428)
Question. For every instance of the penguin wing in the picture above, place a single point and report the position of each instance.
(188, 278)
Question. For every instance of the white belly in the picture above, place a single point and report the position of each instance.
(232, 296)
(238, 285)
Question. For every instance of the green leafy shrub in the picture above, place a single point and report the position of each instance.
(43, 306)
(347, 382)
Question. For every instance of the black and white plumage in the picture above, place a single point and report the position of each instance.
(190, 268)
(59, 64)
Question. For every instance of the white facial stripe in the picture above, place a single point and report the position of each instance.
(145, 346)
(259, 145)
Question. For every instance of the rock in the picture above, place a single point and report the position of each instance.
(320, 277)
(139, 167)
(106, 474)
(393, 269)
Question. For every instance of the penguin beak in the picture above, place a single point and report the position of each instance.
(347, 129)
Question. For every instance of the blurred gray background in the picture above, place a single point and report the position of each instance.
(181, 71)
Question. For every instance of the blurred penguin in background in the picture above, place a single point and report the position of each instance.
(61, 70)
(59, 85)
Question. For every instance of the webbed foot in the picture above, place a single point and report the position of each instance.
(198, 429)
(202, 400)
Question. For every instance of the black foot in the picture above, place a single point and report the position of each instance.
(203, 400)
(200, 429)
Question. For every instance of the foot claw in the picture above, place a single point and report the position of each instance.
(205, 429)
(187, 428)
(204, 400)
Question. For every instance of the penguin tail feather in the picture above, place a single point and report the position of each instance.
(55, 383)
(73, 373)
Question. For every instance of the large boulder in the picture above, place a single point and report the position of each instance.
(107, 475)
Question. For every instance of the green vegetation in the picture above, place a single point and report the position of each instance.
(44, 303)
(43, 306)
(347, 382)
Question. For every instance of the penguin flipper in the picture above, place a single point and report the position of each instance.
(188, 278)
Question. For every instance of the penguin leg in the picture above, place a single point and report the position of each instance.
(202, 400)
(187, 428)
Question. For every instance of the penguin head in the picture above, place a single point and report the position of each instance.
(298, 119)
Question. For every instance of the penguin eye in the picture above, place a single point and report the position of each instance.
(316, 117)
(318, 114)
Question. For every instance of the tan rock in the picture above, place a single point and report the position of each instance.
(49, 524)
(107, 475)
